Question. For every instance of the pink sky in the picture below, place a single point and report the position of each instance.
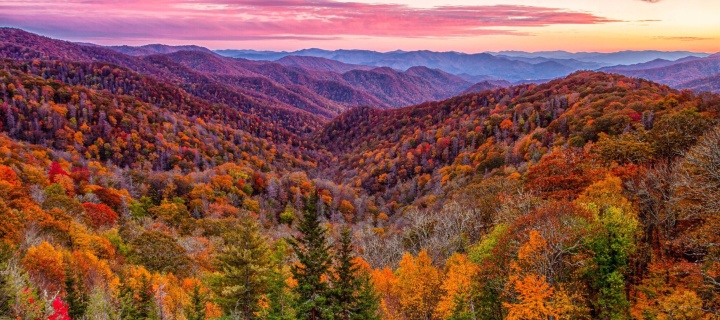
(461, 25)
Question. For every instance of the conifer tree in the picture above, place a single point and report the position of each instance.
(314, 260)
(244, 264)
(74, 295)
(279, 297)
(353, 294)
(196, 309)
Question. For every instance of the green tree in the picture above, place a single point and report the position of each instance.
(244, 266)
(74, 295)
(196, 309)
(313, 264)
(353, 294)
(279, 297)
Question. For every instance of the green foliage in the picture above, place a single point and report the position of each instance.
(483, 249)
(160, 252)
(611, 244)
(279, 297)
(75, 295)
(244, 265)
(677, 132)
(352, 293)
(288, 215)
(312, 269)
(196, 309)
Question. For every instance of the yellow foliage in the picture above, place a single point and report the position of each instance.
(457, 284)
(534, 295)
(418, 283)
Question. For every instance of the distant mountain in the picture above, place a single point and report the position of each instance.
(149, 49)
(486, 85)
(573, 63)
(418, 84)
(320, 64)
(450, 62)
(509, 65)
(606, 59)
(657, 63)
(677, 74)
(711, 84)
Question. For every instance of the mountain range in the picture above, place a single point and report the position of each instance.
(154, 181)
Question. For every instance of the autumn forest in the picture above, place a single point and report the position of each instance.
(189, 185)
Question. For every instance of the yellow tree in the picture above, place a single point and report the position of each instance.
(457, 286)
(419, 286)
(534, 295)
(386, 284)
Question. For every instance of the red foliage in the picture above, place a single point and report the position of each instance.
(55, 170)
(635, 117)
(80, 174)
(60, 310)
(109, 197)
(100, 215)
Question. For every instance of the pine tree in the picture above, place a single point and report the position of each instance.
(313, 254)
(74, 295)
(353, 294)
(196, 309)
(244, 265)
(279, 297)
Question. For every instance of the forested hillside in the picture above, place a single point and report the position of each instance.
(182, 185)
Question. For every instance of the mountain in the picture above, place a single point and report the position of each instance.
(486, 85)
(149, 49)
(711, 84)
(676, 74)
(450, 62)
(320, 64)
(275, 92)
(157, 185)
(416, 85)
(475, 130)
(657, 63)
(606, 59)
(509, 65)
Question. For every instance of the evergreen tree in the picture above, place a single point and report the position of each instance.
(279, 296)
(74, 295)
(313, 255)
(353, 294)
(137, 305)
(244, 264)
(6, 293)
(196, 310)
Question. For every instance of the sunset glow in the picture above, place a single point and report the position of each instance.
(459, 25)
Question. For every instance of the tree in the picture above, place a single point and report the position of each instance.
(610, 244)
(418, 283)
(60, 310)
(244, 267)
(534, 295)
(160, 252)
(100, 215)
(312, 268)
(279, 298)
(74, 295)
(457, 287)
(196, 309)
(353, 294)
(45, 266)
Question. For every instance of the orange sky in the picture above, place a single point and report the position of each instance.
(457, 25)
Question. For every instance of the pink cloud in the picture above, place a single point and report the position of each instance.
(273, 19)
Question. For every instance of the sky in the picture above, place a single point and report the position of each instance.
(383, 25)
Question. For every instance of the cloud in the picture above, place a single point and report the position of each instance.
(685, 38)
(274, 19)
